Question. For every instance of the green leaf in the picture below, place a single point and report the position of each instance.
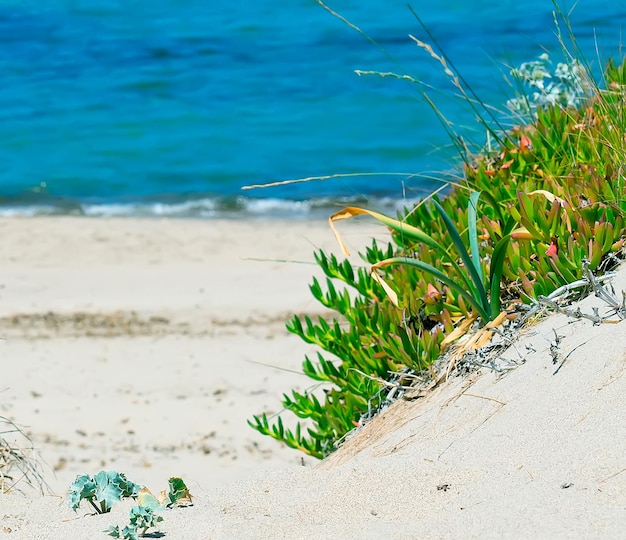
(147, 500)
(472, 220)
(108, 491)
(178, 492)
(82, 488)
(144, 518)
(129, 489)
(403, 229)
(495, 274)
(113, 531)
(130, 533)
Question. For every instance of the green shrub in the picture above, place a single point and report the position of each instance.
(551, 197)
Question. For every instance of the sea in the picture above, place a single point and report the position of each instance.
(174, 107)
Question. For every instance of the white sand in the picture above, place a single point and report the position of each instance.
(137, 354)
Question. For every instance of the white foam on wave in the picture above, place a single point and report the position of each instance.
(198, 208)
(272, 207)
(26, 211)
(207, 208)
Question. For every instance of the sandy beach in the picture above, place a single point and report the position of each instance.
(144, 345)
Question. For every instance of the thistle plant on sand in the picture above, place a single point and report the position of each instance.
(106, 488)
(523, 220)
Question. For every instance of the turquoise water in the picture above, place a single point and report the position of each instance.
(171, 106)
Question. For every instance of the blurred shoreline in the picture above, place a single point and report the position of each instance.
(204, 207)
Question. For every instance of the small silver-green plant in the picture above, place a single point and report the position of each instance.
(145, 515)
(568, 86)
(106, 488)
(102, 490)
(141, 519)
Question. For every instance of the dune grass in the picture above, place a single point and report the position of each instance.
(19, 467)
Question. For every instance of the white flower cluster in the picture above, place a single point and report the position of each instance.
(568, 86)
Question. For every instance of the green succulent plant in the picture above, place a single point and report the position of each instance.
(552, 191)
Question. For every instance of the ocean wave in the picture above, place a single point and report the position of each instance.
(206, 208)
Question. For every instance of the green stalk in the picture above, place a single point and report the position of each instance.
(473, 233)
(495, 274)
(478, 288)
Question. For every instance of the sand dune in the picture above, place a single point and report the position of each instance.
(143, 346)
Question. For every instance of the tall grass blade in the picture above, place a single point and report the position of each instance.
(478, 287)
(408, 231)
(438, 274)
(404, 229)
(472, 220)
(471, 98)
(495, 274)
